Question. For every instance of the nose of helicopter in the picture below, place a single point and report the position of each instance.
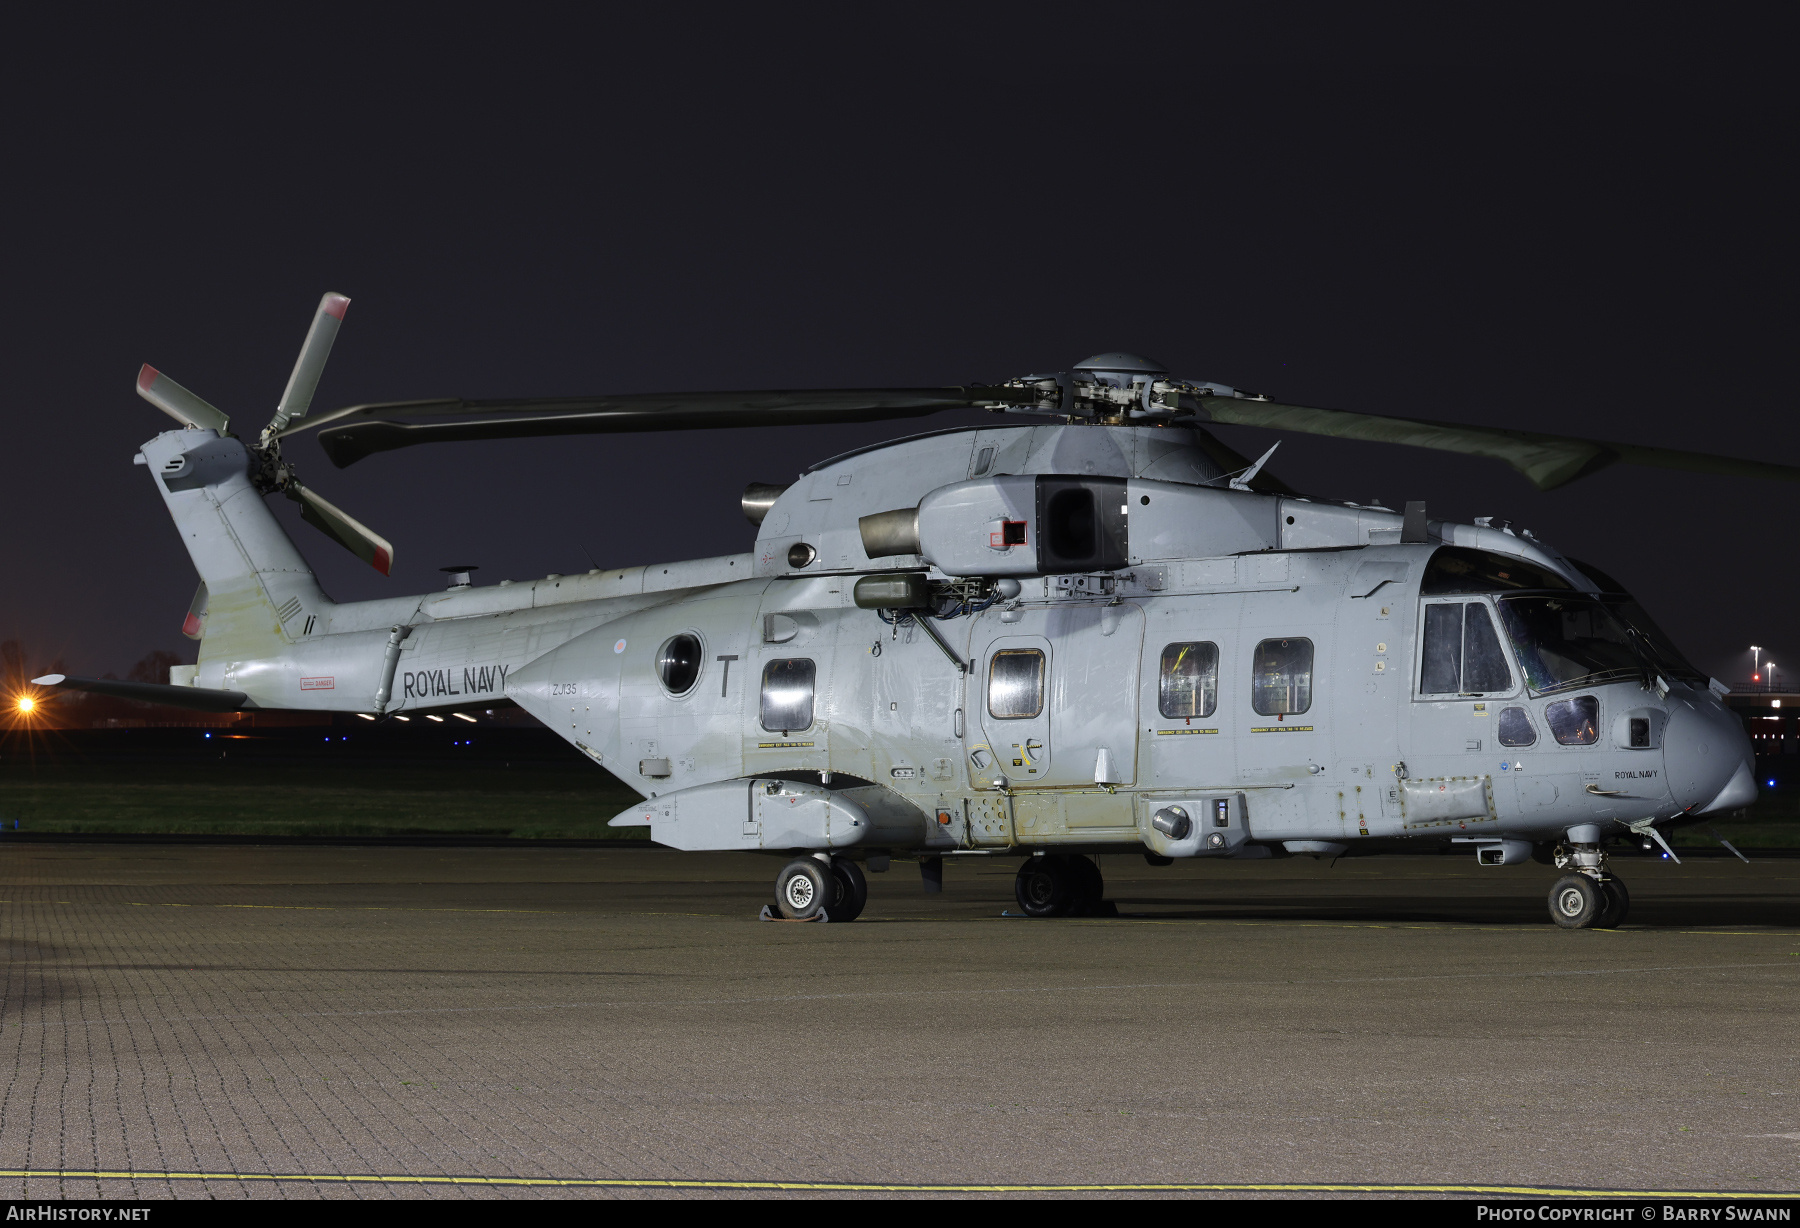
(1708, 757)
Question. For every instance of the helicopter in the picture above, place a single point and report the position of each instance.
(1089, 627)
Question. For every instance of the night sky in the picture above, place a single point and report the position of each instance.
(565, 210)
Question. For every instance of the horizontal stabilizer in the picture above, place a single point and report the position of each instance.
(195, 697)
(178, 402)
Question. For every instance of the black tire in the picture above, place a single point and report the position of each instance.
(1045, 887)
(1090, 887)
(853, 891)
(1618, 904)
(1576, 902)
(805, 888)
(1157, 859)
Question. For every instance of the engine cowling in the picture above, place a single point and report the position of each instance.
(1055, 524)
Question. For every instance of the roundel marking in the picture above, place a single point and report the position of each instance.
(619, 647)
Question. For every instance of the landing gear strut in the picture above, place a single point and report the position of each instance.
(808, 887)
(1058, 885)
(1591, 897)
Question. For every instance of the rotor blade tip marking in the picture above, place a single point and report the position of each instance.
(147, 376)
(334, 305)
(383, 561)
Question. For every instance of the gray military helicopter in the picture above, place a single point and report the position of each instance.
(1097, 631)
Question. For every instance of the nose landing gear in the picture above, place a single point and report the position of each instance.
(1590, 898)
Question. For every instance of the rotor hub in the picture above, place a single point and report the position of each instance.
(1119, 370)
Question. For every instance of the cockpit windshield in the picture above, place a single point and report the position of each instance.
(1661, 647)
(1565, 642)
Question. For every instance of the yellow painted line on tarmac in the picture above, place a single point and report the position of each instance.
(1532, 1191)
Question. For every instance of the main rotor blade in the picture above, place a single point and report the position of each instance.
(178, 402)
(348, 435)
(342, 528)
(296, 399)
(1548, 461)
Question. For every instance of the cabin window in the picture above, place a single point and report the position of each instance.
(1516, 728)
(1574, 722)
(1462, 654)
(1189, 683)
(678, 663)
(787, 695)
(1282, 683)
(1016, 684)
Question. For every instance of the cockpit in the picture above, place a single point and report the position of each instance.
(1562, 638)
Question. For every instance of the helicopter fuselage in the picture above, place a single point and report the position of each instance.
(1243, 674)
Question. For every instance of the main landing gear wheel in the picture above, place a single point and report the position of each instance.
(1091, 888)
(805, 888)
(854, 890)
(1056, 885)
(1577, 902)
(1045, 887)
(1618, 904)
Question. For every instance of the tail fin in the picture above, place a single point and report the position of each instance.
(260, 594)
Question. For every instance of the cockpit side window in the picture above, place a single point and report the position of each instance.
(1441, 673)
(1484, 664)
(1461, 654)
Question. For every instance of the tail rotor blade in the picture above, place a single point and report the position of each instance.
(194, 625)
(342, 528)
(178, 402)
(301, 385)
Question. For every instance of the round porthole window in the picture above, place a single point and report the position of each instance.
(678, 663)
(800, 554)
